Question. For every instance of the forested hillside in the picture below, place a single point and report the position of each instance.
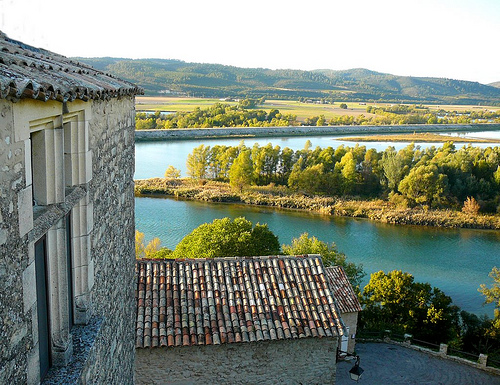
(160, 76)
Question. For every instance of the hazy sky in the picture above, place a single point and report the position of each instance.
(457, 39)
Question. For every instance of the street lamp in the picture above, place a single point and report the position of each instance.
(356, 371)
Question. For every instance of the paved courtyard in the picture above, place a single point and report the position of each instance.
(393, 364)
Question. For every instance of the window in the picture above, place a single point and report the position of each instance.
(69, 271)
(42, 306)
(61, 162)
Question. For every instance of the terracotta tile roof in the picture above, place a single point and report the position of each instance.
(34, 73)
(344, 294)
(229, 300)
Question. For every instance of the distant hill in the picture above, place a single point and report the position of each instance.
(159, 76)
(495, 84)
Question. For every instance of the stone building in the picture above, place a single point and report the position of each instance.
(348, 305)
(66, 220)
(260, 320)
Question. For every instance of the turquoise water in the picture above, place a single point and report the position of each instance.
(455, 260)
(153, 158)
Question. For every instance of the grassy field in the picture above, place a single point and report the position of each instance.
(302, 110)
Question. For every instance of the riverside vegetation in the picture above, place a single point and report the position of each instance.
(446, 186)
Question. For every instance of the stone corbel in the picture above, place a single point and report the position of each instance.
(62, 349)
(83, 311)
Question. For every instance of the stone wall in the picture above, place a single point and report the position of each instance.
(183, 134)
(113, 250)
(104, 348)
(351, 320)
(302, 361)
(16, 329)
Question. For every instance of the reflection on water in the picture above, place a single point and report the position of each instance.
(455, 260)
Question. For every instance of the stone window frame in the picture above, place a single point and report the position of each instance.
(67, 165)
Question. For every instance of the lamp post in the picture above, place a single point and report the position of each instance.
(356, 371)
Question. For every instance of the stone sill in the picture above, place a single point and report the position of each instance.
(44, 217)
(84, 337)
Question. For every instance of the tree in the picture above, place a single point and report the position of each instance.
(321, 121)
(492, 295)
(308, 180)
(471, 206)
(424, 185)
(343, 106)
(197, 162)
(145, 251)
(226, 238)
(349, 174)
(172, 172)
(395, 301)
(329, 255)
(392, 165)
(240, 173)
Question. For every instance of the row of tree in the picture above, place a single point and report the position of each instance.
(245, 115)
(436, 177)
(218, 115)
(392, 300)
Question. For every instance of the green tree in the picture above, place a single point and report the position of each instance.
(248, 103)
(329, 255)
(395, 301)
(349, 175)
(163, 253)
(226, 238)
(492, 295)
(343, 106)
(198, 161)
(240, 173)
(308, 180)
(424, 185)
(392, 165)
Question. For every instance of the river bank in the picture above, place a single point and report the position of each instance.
(243, 132)
(377, 210)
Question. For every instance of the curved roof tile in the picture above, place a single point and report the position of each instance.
(347, 300)
(32, 73)
(233, 300)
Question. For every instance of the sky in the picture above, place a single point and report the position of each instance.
(457, 39)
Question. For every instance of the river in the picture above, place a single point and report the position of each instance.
(153, 158)
(455, 260)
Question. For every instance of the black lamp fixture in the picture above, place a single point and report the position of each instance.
(356, 371)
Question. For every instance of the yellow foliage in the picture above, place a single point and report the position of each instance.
(145, 251)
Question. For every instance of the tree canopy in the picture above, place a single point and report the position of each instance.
(395, 301)
(433, 177)
(227, 238)
(492, 295)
